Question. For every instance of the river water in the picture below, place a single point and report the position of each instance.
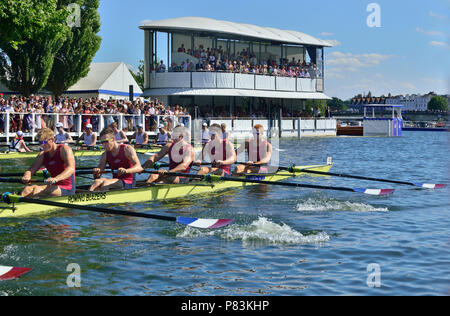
(284, 241)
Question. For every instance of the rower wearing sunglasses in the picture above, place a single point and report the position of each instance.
(219, 151)
(121, 158)
(259, 152)
(59, 160)
(181, 155)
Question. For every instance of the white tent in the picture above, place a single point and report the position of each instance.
(104, 80)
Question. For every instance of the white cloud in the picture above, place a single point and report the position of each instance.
(326, 34)
(437, 16)
(334, 42)
(355, 61)
(430, 33)
(440, 44)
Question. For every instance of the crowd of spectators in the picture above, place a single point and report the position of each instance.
(216, 59)
(71, 110)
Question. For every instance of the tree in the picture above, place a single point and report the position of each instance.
(31, 32)
(313, 105)
(139, 75)
(72, 61)
(438, 103)
(337, 104)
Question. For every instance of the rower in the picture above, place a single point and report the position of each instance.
(18, 143)
(89, 137)
(259, 152)
(119, 157)
(220, 152)
(225, 134)
(163, 137)
(205, 134)
(62, 137)
(119, 135)
(59, 160)
(140, 136)
(181, 155)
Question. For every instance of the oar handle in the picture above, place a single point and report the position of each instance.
(15, 180)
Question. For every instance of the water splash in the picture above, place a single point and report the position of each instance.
(260, 231)
(315, 204)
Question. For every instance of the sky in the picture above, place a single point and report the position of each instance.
(383, 46)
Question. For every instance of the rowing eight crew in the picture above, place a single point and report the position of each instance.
(59, 160)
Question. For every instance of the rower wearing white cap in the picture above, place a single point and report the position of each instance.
(140, 136)
(163, 137)
(18, 144)
(205, 134)
(89, 137)
(62, 137)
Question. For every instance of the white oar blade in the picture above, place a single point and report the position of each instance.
(374, 191)
(206, 223)
(10, 273)
(430, 185)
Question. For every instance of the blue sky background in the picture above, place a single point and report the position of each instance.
(409, 53)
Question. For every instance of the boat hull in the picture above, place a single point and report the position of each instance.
(143, 194)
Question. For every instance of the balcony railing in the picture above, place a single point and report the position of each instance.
(225, 80)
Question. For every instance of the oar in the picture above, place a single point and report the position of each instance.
(207, 223)
(294, 169)
(10, 273)
(216, 178)
(16, 180)
(40, 173)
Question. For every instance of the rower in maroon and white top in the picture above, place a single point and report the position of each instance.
(59, 160)
(181, 155)
(123, 161)
(259, 152)
(220, 153)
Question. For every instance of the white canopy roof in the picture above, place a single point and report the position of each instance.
(236, 93)
(113, 78)
(232, 28)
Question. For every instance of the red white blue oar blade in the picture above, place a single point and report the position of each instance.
(206, 223)
(374, 191)
(11, 273)
(430, 185)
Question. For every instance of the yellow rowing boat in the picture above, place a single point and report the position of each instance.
(145, 193)
(77, 153)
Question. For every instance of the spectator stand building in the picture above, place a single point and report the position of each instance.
(229, 69)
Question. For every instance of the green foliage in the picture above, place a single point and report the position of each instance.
(311, 105)
(139, 75)
(337, 104)
(72, 61)
(31, 32)
(438, 103)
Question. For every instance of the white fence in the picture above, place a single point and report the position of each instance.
(31, 123)
(309, 127)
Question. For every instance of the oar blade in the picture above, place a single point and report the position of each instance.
(374, 191)
(11, 273)
(430, 185)
(205, 223)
